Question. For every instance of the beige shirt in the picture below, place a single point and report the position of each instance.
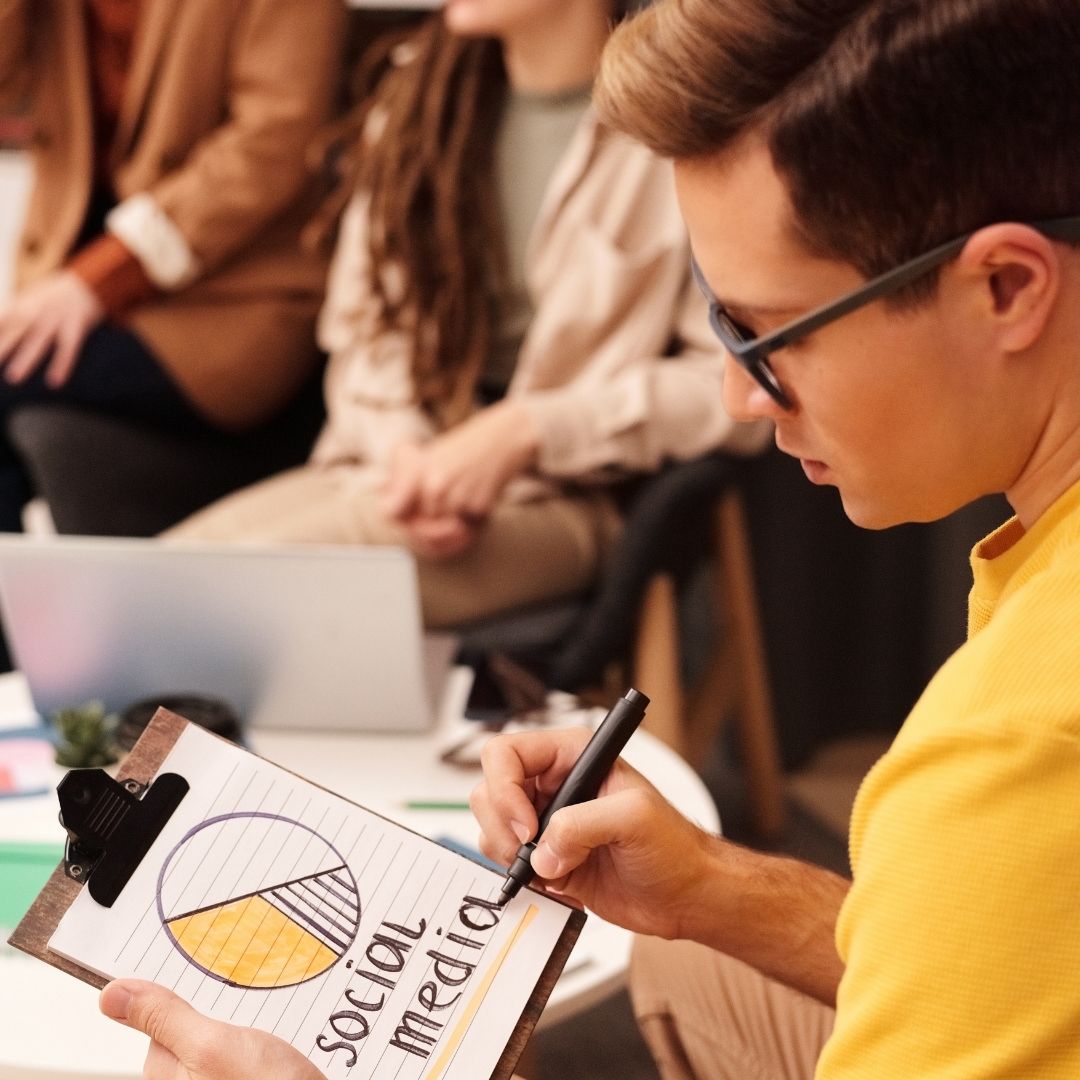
(619, 368)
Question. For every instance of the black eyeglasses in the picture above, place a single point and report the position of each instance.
(752, 352)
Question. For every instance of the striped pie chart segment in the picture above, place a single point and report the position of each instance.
(282, 932)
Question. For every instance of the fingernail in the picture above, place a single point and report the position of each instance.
(521, 831)
(115, 1002)
(545, 862)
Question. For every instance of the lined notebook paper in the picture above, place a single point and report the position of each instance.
(269, 902)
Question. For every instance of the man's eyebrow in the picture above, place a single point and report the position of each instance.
(753, 311)
(760, 311)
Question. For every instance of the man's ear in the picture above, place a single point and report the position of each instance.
(1017, 272)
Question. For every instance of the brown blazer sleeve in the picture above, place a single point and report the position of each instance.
(284, 76)
(14, 49)
(115, 275)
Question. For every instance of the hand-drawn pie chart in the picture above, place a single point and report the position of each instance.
(258, 900)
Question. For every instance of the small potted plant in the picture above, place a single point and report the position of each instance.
(85, 736)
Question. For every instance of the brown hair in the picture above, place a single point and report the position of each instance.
(896, 124)
(420, 144)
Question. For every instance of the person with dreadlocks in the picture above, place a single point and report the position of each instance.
(510, 319)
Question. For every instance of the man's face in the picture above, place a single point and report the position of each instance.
(885, 402)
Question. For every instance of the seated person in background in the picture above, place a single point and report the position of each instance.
(160, 276)
(510, 319)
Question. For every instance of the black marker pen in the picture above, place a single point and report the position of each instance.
(583, 780)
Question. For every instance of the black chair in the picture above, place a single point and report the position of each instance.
(105, 476)
(627, 629)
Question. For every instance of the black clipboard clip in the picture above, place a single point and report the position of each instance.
(111, 825)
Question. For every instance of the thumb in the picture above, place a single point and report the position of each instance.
(147, 1007)
(575, 831)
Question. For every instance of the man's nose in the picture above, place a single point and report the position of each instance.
(745, 398)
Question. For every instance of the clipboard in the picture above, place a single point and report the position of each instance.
(138, 775)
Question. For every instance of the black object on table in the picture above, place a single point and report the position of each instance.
(214, 714)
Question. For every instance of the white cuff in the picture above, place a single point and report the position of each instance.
(152, 237)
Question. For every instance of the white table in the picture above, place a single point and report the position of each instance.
(50, 1028)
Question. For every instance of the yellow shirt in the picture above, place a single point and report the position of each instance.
(961, 933)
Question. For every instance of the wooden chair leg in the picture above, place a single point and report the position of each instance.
(656, 663)
(712, 701)
(736, 673)
(756, 727)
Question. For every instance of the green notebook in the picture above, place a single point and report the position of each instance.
(24, 869)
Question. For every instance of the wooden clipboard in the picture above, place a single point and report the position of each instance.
(37, 926)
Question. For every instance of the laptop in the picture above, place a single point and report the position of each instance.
(304, 636)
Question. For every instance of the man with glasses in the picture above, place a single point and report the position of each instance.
(883, 198)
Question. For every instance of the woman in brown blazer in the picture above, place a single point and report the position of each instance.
(160, 275)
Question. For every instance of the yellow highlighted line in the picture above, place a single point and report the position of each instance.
(481, 991)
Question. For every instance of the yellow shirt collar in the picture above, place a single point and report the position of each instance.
(1010, 555)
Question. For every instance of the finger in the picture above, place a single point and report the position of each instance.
(441, 550)
(433, 494)
(12, 331)
(470, 497)
(503, 837)
(499, 837)
(455, 493)
(29, 354)
(65, 354)
(157, 1012)
(477, 500)
(477, 509)
(574, 832)
(511, 763)
(545, 756)
(436, 530)
(439, 538)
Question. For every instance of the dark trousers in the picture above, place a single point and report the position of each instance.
(117, 375)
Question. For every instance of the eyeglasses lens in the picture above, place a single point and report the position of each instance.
(739, 332)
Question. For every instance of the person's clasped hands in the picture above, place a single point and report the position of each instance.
(627, 855)
(442, 491)
(54, 316)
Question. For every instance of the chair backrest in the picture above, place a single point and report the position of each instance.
(668, 520)
(667, 529)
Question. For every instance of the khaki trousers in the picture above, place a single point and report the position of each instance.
(706, 1016)
(526, 552)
